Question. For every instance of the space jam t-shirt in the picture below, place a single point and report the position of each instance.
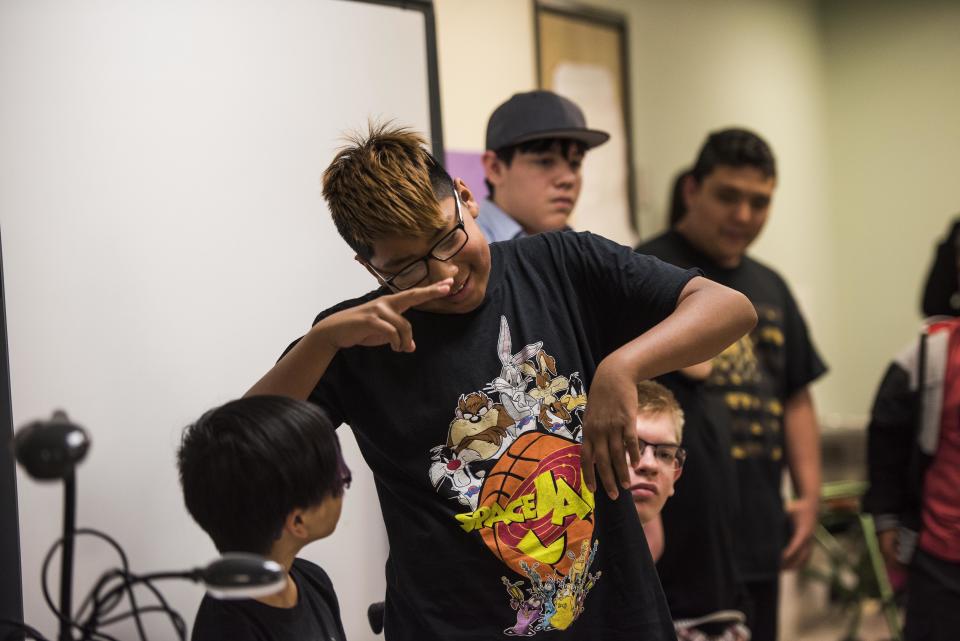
(754, 378)
(474, 442)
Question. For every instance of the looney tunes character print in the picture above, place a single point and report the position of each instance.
(554, 602)
(745, 374)
(511, 461)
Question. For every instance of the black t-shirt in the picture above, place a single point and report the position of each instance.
(697, 568)
(474, 442)
(755, 376)
(316, 617)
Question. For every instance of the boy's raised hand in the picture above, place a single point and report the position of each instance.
(380, 321)
(609, 429)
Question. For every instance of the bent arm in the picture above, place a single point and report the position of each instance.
(377, 322)
(297, 373)
(707, 319)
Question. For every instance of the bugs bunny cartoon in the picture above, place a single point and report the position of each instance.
(512, 383)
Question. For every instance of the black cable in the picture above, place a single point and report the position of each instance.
(94, 634)
(134, 606)
(117, 618)
(89, 626)
(175, 619)
(90, 630)
(32, 633)
(144, 610)
(43, 576)
(19, 630)
(103, 604)
(106, 576)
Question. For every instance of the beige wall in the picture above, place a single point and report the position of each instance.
(486, 54)
(858, 100)
(893, 96)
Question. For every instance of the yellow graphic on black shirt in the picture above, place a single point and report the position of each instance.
(512, 459)
(735, 366)
(745, 375)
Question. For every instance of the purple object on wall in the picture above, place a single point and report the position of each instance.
(467, 165)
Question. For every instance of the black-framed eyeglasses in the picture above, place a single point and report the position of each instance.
(667, 454)
(417, 271)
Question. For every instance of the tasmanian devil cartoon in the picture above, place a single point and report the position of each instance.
(480, 425)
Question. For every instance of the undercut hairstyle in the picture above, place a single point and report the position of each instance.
(538, 146)
(246, 465)
(734, 148)
(385, 184)
(653, 399)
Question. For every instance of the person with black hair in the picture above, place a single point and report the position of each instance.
(913, 458)
(941, 292)
(536, 142)
(264, 475)
(763, 379)
(678, 208)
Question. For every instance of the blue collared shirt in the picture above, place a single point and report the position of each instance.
(496, 224)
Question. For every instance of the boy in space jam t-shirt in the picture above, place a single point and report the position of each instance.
(466, 379)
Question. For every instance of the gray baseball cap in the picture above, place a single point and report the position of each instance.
(539, 114)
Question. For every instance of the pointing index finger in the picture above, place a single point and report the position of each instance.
(402, 301)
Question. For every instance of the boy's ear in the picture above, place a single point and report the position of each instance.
(294, 524)
(466, 197)
(676, 476)
(367, 267)
(492, 166)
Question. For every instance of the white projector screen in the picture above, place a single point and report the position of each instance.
(164, 238)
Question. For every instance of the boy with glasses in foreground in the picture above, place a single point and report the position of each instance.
(465, 377)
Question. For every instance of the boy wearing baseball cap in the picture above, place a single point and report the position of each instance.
(536, 142)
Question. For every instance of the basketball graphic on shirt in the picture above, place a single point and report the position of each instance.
(510, 464)
(534, 504)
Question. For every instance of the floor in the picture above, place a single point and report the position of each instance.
(807, 615)
(806, 611)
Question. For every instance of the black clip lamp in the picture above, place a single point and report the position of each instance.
(50, 451)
